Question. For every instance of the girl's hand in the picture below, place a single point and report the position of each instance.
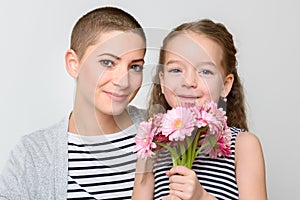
(184, 184)
(171, 197)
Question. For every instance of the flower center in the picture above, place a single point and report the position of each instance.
(145, 141)
(178, 123)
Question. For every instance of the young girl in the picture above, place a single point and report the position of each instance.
(89, 154)
(198, 63)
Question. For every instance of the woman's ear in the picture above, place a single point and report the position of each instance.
(161, 80)
(228, 82)
(72, 63)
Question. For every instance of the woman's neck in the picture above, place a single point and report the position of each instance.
(91, 122)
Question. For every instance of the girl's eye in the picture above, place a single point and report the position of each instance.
(106, 63)
(206, 72)
(137, 68)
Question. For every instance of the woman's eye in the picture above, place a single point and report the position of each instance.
(106, 63)
(174, 70)
(137, 68)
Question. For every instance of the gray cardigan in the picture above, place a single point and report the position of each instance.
(38, 166)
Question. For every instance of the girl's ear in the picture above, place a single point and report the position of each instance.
(228, 82)
(72, 63)
(161, 79)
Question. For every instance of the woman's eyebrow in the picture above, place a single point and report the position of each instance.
(138, 60)
(119, 58)
(110, 54)
(173, 62)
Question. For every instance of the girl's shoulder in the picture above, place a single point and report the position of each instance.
(247, 139)
(235, 132)
(242, 135)
(247, 145)
(242, 139)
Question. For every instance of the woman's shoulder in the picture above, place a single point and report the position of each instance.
(137, 114)
(50, 132)
(44, 139)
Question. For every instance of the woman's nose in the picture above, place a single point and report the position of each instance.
(121, 77)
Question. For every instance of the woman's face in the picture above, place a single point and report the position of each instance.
(111, 72)
(192, 70)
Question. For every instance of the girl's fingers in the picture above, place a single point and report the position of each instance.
(184, 171)
(179, 194)
(181, 174)
(179, 179)
(176, 186)
(168, 173)
(171, 197)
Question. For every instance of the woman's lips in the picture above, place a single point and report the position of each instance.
(117, 97)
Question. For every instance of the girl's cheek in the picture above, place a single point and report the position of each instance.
(172, 80)
(214, 88)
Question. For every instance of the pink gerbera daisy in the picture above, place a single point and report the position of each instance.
(217, 146)
(144, 140)
(178, 123)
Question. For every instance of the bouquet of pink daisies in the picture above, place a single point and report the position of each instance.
(185, 131)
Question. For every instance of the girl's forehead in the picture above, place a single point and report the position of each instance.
(195, 48)
(188, 49)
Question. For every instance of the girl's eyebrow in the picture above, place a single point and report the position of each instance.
(207, 63)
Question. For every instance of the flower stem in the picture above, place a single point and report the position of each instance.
(172, 151)
(200, 149)
(183, 154)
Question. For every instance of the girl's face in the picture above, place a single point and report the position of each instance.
(192, 71)
(111, 72)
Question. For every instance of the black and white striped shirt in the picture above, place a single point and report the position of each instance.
(217, 176)
(101, 167)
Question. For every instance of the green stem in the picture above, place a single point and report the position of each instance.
(182, 153)
(200, 149)
(189, 152)
(196, 141)
(172, 151)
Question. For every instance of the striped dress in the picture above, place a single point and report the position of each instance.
(217, 176)
(102, 167)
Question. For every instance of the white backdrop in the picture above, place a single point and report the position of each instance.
(36, 90)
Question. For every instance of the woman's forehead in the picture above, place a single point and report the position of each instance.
(118, 43)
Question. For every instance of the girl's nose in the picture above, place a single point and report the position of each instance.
(190, 79)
